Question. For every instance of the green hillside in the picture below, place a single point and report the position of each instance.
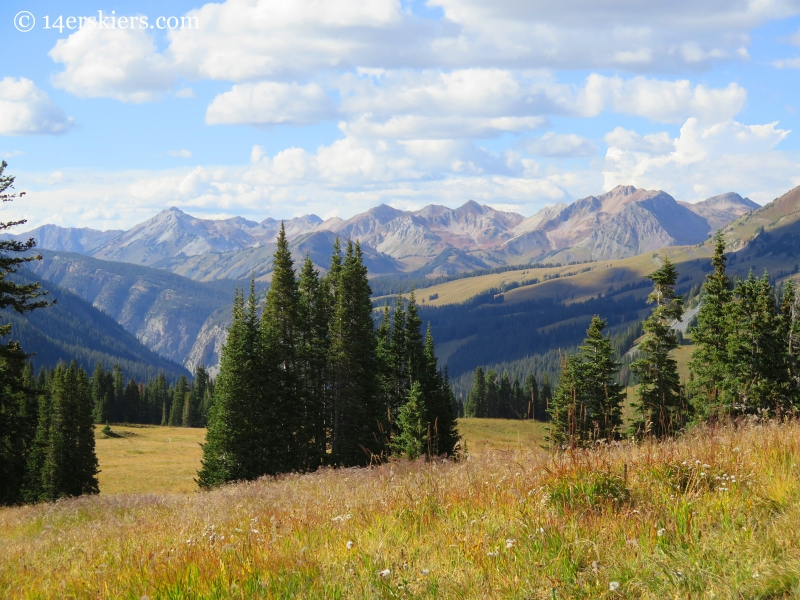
(74, 329)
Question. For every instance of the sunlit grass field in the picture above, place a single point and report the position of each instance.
(713, 514)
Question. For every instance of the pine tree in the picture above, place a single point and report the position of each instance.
(567, 411)
(120, 409)
(492, 395)
(70, 466)
(178, 402)
(531, 398)
(505, 405)
(314, 305)
(439, 401)
(234, 448)
(413, 433)
(661, 405)
(476, 402)
(709, 363)
(102, 394)
(197, 413)
(279, 334)
(603, 395)
(353, 364)
(133, 402)
(758, 358)
(789, 334)
(545, 398)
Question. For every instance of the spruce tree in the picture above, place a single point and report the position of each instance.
(758, 358)
(313, 343)
(567, 411)
(288, 440)
(603, 395)
(709, 363)
(353, 363)
(492, 395)
(789, 334)
(661, 407)
(411, 440)
(234, 438)
(133, 402)
(178, 402)
(505, 404)
(120, 409)
(439, 402)
(476, 402)
(531, 397)
(545, 398)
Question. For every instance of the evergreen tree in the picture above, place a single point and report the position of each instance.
(314, 307)
(789, 334)
(603, 394)
(759, 373)
(133, 402)
(505, 405)
(545, 398)
(567, 411)
(519, 405)
(199, 391)
(492, 395)
(353, 364)
(70, 466)
(413, 430)
(120, 409)
(476, 402)
(178, 402)
(661, 405)
(287, 440)
(234, 446)
(16, 424)
(709, 363)
(102, 394)
(531, 397)
(439, 403)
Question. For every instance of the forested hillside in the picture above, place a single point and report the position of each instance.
(74, 329)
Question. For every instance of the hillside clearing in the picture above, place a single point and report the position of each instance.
(714, 513)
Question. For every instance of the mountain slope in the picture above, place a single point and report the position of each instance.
(165, 312)
(723, 209)
(68, 239)
(74, 329)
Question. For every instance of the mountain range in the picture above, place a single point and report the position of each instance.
(435, 239)
(169, 281)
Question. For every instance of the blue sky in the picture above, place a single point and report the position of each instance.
(279, 109)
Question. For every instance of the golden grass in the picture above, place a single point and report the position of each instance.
(482, 435)
(713, 514)
(148, 458)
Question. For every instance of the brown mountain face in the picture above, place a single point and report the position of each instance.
(433, 240)
(723, 209)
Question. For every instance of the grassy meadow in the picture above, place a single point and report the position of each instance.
(712, 514)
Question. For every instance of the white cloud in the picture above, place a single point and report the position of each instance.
(112, 63)
(10, 153)
(703, 160)
(560, 145)
(787, 63)
(180, 153)
(248, 40)
(269, 103)
(661, 101)
(185, 93)
(27, 110)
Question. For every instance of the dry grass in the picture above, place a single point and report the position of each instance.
(714, 514)
(482, 435)
(147, 458)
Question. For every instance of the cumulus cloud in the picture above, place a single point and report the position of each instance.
(27, 110)
(560, 145)
(787, 63)
(112, 63)
(703, 160)
(249, 40)
(269, 103)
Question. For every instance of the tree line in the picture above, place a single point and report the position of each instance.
(157, 402)
(745, 361)
(308, 380)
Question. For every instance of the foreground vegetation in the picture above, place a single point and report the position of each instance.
(713, 513)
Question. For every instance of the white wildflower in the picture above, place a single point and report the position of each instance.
(661, 532)
(613, 586)
(349, 544)
(510, 543)
(385, 573)
(425, 572)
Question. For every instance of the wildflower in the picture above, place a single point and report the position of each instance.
(349, 544)
(661, 532)
(705, 466)
(425, 572)
(495, 553)
(613, 586)
(756, 575)
(510, 543)
(254, 531)
(385, 573)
